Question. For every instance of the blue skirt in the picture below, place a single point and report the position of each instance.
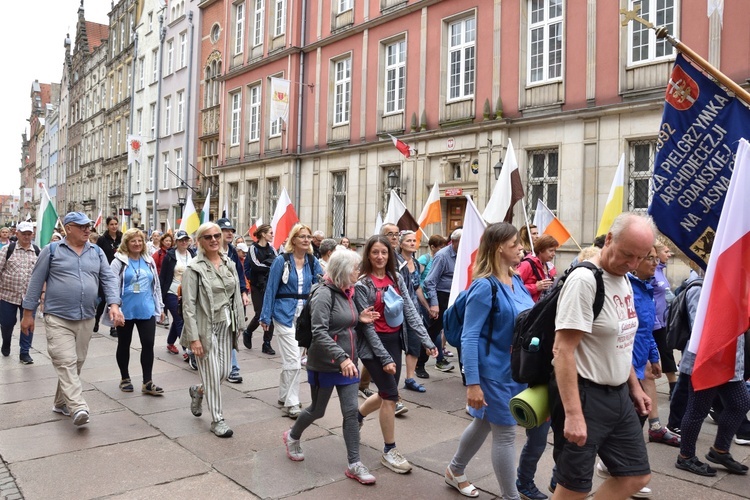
(329, 379)
(497, 396)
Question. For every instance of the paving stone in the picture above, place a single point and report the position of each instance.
(113, 469)
(211, 485)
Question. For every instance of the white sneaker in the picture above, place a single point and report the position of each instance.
(644, 492)
(359, 472)
(63, 410)
(293, 448)
(81, 417)
(395, 461)
(292, 411)
(601, 470)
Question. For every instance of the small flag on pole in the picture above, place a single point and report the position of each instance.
(404, 148)
(431, 213)
(548, 223)
(284, 218)
(507, 192)
(399, 215)
(613, 207)
(471, 235)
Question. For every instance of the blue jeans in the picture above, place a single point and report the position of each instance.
(536, 442)
(235, 366)
(679, 400)
(8, 314)
(175, 331)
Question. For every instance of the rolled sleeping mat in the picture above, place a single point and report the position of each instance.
(530, 408)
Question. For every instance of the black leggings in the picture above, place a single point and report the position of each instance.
(434, 330)
(146, 332)
(256, 295)
(666, 354)
(387, 383)
(734, 395)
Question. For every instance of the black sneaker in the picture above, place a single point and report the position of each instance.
(267, 349)
(113, 332)
(192, 362)
(247, 339)
(674, 430)
(5, 350)
(529, 491)
(421, 372)
(742, 439)
(234, 378)
(26, 359)
(96, 327)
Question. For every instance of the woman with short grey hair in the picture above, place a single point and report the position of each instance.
(332, 359)
(326, 249)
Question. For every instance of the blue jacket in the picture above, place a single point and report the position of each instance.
(282, 310)
(644, 345)
(496, 365)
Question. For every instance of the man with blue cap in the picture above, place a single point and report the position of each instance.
(72, 269)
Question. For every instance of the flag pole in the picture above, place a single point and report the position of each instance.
(663, 33)
(528, 229)
(574, 241)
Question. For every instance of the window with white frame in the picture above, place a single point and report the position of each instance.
(165, 170)
(152, 112)
(210, 156)
(395, 76)
(342, 76)
(543, 171)
(545, 40)
(141, 72)
(179, 126)
(119, 137)
(119, 86)
(273, 196)
(167, 115)
(339, 204)
(150, 22)
(254, 101)
(122, 34)
(129, 78)
(137, 177)
(252, 200)
(139, 121)
(461, 58)
(151, 172)
(279, 17)
(114, 41)
(234, 125)
(643, 46)
(155, 66)
(178, 166)
(640, 169)
(234, 196)
(239, 27)
(170, 57)
(345, 5)
(258, 24)
(109, 146)
(275, 128)
(183, 50)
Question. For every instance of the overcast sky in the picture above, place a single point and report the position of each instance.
(34, 33)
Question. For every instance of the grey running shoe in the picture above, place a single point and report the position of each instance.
(293, 447)
(359, 472)
(221, 429)
(395, 461)
(81, 417)
(196, 400)
(400, 409)
(63, 410)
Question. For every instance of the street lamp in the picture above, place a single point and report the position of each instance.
(498, 168)
(182, 196)
(394, 182)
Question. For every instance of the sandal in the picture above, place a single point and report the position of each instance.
(152, 389)
(695, 466)
(126, 385)
(413, 385)
(727, 461)
(467, 491)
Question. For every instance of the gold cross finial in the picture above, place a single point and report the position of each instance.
(632, 15)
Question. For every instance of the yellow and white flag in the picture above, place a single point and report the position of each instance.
(613, 208)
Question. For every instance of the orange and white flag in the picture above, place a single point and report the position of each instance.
(431, 213)
(471, 235)
(723, 313)
(284, 218)
(547, 223)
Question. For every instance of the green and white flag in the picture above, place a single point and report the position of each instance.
(46, 219)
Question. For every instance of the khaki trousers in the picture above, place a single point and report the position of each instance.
(67, 345)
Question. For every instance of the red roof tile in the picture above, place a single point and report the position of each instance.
(96, 33)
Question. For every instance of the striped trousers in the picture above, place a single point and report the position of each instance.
(214, 367)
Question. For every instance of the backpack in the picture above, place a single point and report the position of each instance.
(678, 319)
(534, 269)
(12, 247)
(453, 317)
(288, 264)
(303, 326)
(531, 360)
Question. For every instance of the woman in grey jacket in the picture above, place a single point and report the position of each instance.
(213, 313)
(332, 359)
(378, 275)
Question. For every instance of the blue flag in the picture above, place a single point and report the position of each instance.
(700, 131)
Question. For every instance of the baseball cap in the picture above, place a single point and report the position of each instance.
(76, 218)
(181, 234)
(243, 247)
(24, 227)
(224, 223)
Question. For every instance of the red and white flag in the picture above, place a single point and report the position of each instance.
(508, 190)
(399, 215)
(471, 235)
(431, 213)
(135, 146)
(284, 218)
(404, 148)
(724, 307)
(548, 223)
(254, 227)
(98, 220)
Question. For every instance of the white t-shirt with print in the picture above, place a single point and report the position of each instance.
(605, 352)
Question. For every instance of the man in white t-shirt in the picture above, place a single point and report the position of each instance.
(595, 396)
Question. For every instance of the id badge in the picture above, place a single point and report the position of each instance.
(136, 287)
(226, 313)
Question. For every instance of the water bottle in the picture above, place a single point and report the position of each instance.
(534, 344)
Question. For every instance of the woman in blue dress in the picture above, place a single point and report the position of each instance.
(486, 358)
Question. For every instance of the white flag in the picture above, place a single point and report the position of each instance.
(135, 145)
(279, 99)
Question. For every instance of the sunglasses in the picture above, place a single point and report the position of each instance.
(209, 237)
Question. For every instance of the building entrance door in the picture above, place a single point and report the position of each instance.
(456, 208)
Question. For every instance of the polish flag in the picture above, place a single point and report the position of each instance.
(254, 227)
(724, 306)
(284, 219)
(473, 230)
(547, 223)
(98, 219)
(508, 190)
(431, 212)
(404, 148)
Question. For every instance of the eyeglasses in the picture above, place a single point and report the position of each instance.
(391, 235)
(651, 259)
(209, 237)
(82, 227)
(304, 236)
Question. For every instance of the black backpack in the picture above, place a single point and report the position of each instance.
(12, 247)
(532, 364)
(303, 326)
(678, 319)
